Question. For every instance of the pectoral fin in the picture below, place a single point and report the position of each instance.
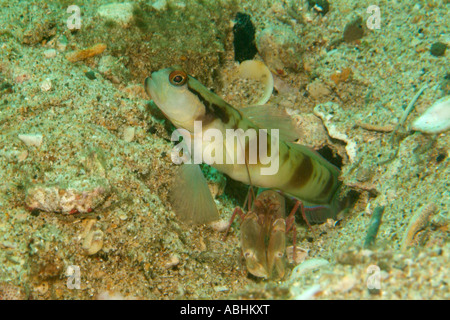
(190, 196)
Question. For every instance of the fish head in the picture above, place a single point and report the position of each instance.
(169, 89)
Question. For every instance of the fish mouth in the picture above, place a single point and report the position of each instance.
(147, 84)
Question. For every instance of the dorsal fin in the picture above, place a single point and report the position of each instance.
(271, 117)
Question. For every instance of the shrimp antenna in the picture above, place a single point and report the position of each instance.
(251, 193)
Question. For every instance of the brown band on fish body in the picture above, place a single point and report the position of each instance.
(286, 156)
(257, 142)
(206, 118)
(314, 177)
(247, 151)
(212, 110)
(328, 186)
(268, 144)
(302, 173)
(237, 122)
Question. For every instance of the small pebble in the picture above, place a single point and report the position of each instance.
(31, 139)
(160, 5)
(435, 119)
(90, 75)
(300, 294)
(122, 13)
(440, 157)
(438, 49)
(308, 266)
(61, 44)
(6, 87)
(42, 288)
(219, 225)
(346, 284)
(93, 242)
(354, 30)
(22, 156)
(46, 85)
(173, 261)
(123, 217)
(50, 53)
(321, 6)
(128, 134)
(220, 289)
(317, 89)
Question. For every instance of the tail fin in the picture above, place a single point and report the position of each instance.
(320, 213)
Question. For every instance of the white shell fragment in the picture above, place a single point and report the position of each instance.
(307, 294)
(128, 134)
(435, 119)
(307, 267)
(46, 85)
(93, 242)
(122, 13)
(328, 111)
(31, 139)
(22, 156)
(219, 225)
(50, 53)
(160, 5)
(79, 196)
(257, 70)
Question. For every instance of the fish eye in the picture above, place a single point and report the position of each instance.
(248, 254)
(178, 77)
